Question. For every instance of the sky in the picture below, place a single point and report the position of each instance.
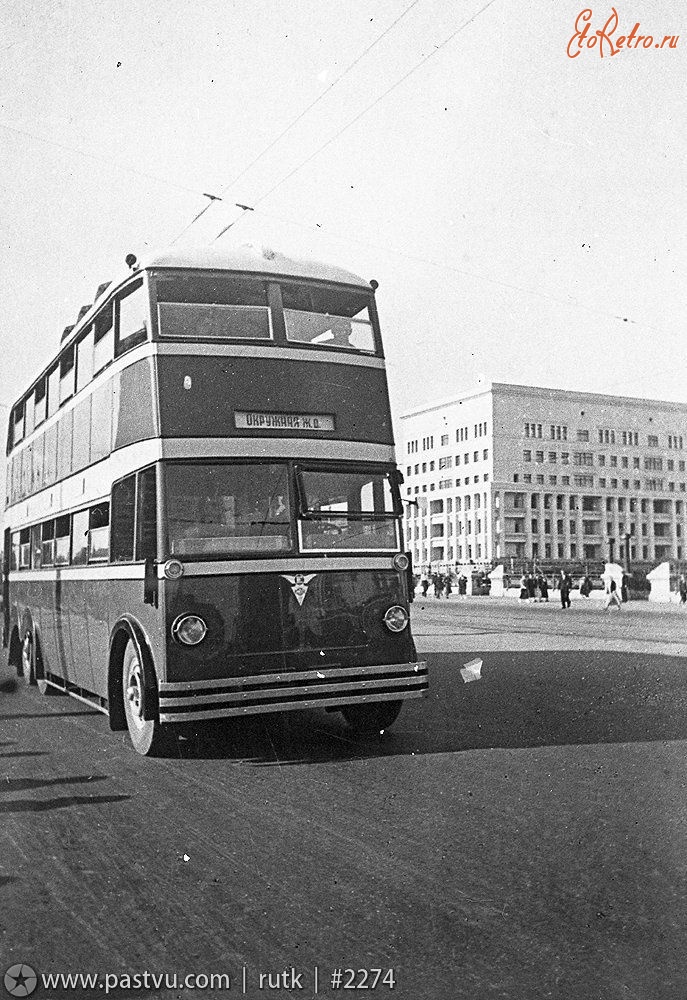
(523, 211)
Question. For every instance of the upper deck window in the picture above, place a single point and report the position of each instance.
(132, 318)
(213, 307)
(40, 402)
(18, 434)
(329, 317)
(66, 375)
(103, 346)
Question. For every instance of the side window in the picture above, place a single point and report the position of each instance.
(146, 542)
(29, 415)
(62, 540)
(14, 561)
(132, 318)
(36, 546)
(24, 548)
(84, 360)
(123, 519)
(54, 391)
(18, 423)
(67, 375)
(80, 538)
(48, 543)
(41, 399)
(103, 339)
(99, 533)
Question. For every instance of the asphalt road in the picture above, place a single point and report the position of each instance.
(519, 836)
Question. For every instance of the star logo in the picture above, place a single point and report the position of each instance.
(299, 584)
(20, 980)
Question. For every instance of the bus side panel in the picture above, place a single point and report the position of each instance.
(79, 629)
(100, 612)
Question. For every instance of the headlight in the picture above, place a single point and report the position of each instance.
(189, 629)
(173, 569)
(401, 562)
(396, 619)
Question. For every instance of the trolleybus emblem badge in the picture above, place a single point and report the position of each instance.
(299, 584)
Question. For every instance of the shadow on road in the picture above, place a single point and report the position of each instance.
(523, 700)
(47, 805)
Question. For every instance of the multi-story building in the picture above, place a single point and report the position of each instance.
(516, 474)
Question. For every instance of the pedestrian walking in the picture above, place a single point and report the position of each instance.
(448, 586)
(531, 588)
(438, 584)
(564, 587)
(462, 586)
(682, 589)
(543, 587)
(612, 596)
(585, 587)
(524, 593)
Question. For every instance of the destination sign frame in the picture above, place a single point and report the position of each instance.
(261, 420)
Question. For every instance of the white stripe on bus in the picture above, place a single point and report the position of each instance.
(221, 567)
(93, 484)
(266, 350)
(292, 564)
(274, 681)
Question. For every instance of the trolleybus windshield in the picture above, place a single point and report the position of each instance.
(346, 510)
(232, 509)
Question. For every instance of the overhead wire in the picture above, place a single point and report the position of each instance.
(387, 248)
(309, 108)
(369, 107)
(102, 159)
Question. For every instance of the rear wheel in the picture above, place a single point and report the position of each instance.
(373, 717)
(147, 735)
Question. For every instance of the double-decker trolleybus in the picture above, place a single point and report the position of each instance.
(203, 511)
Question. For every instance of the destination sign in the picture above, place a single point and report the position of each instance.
(258, 421)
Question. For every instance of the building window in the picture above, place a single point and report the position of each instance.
(533, 430)
(527, 456)
(444, 440)
(582, 435)
(652, 440)
(558, 432)
(553, 457)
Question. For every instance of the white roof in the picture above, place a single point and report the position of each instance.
(262, 260)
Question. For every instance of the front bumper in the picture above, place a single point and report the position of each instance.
(333, 687)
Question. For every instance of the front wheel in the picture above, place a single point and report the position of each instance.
(373, 717)
(147, 735)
